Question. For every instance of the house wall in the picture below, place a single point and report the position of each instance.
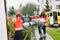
(3, 29)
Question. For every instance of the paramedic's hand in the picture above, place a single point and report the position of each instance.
(44, 24)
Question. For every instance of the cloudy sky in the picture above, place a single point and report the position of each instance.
(16, 3)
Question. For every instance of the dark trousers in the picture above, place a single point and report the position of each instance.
(18, 35)
(43, 28)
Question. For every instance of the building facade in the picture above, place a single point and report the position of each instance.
(53, 4)
(3, 26)
(41, 5)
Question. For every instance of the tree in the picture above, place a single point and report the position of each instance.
(11, 11)
(47, 6)
(29, 9)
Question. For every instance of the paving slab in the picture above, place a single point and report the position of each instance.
(48, 37)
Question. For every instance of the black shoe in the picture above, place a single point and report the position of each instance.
(41, 38)
(44, 36)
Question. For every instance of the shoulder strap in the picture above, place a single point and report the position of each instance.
(22, 19)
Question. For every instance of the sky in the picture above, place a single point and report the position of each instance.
(16, 3)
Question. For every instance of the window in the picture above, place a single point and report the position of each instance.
(58, 13)
(57, 6)
(50, 14)
(50, 7)
(54, 13)
(57, 0)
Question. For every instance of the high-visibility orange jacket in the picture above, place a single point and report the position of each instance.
(18, 24)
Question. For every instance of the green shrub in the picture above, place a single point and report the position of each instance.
(11, 29)
(25, 32)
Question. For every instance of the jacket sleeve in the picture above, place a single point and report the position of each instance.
(46, 18)
(23, 19)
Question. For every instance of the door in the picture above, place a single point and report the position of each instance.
(58, 18)
(55, 17)
(51, 19)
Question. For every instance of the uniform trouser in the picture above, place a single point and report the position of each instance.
(43, 28)
(18, 35)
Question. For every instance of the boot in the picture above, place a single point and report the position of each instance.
(44, 35)
(41, 35)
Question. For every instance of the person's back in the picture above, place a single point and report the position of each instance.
(18, 24)
(18, 28)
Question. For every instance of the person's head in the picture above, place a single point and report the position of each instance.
(19, 13)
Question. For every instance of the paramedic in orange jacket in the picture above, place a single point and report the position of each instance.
(18, 27)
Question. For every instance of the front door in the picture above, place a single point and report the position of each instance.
(51, 19)
(55, 17)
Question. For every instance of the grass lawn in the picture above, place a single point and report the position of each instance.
(54, 33)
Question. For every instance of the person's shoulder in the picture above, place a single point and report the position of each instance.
(17, 17)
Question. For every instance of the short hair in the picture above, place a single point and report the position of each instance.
(17, 15)
(19, 12)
